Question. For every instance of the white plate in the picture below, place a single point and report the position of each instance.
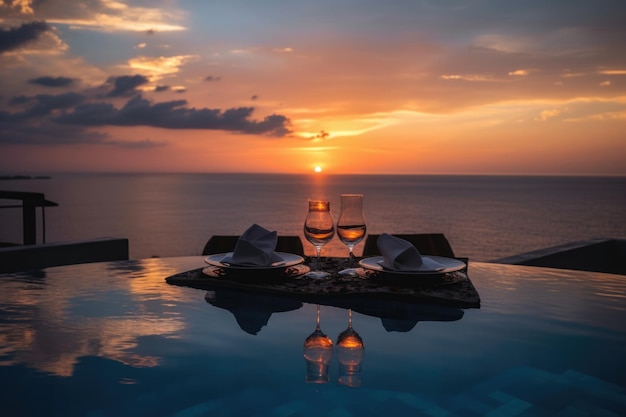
(449, 265)
(289, 259)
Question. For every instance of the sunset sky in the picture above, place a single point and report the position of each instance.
(350, 86)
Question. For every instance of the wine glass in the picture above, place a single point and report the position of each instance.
(319, 229)
(318, 352)
(351, 225)
(350, 350)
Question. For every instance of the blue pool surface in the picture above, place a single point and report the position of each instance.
(113, 339)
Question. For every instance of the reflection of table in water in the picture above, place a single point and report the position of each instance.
(399, 307)
(253, 310)
(114, 339)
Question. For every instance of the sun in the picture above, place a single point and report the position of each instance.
(318, 169)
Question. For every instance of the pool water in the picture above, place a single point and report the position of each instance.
(544, 342)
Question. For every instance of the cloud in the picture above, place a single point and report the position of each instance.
(15, 38)
(45, 104)
(322, 135)
(107, 15)
(173, 115)
(47, 133)
(469, 77)
(18, 6)
(519, 72)
(125, 84)
(613, 72)
(68, 117)
(35, 125)
(586, 109)
(449, 5)
(158, 67)
(140, 144)
(47, 81)
(549, 114)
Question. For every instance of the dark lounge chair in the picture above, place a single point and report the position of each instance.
(434, 244)
(224, 243)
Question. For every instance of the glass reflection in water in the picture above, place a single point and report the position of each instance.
(318, 353)
(350, 351)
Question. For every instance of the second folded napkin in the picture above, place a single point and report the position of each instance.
(400, 255)
(255, 247)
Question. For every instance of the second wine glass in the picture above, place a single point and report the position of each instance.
(351, 225)
(319, 229)
(350, 351)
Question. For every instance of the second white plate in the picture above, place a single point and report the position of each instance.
(449, 264)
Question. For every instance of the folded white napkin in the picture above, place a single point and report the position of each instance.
(255, 247)
(401, 255)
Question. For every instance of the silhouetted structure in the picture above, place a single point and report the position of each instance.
(596, 255)
(31, 256)
(30, 202)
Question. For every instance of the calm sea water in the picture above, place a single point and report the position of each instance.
(483, 217)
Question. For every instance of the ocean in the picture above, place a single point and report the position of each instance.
(483, 217)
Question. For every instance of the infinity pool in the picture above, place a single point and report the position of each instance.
(113, 339)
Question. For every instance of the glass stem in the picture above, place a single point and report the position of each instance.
(318, 257)
(318, 318)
